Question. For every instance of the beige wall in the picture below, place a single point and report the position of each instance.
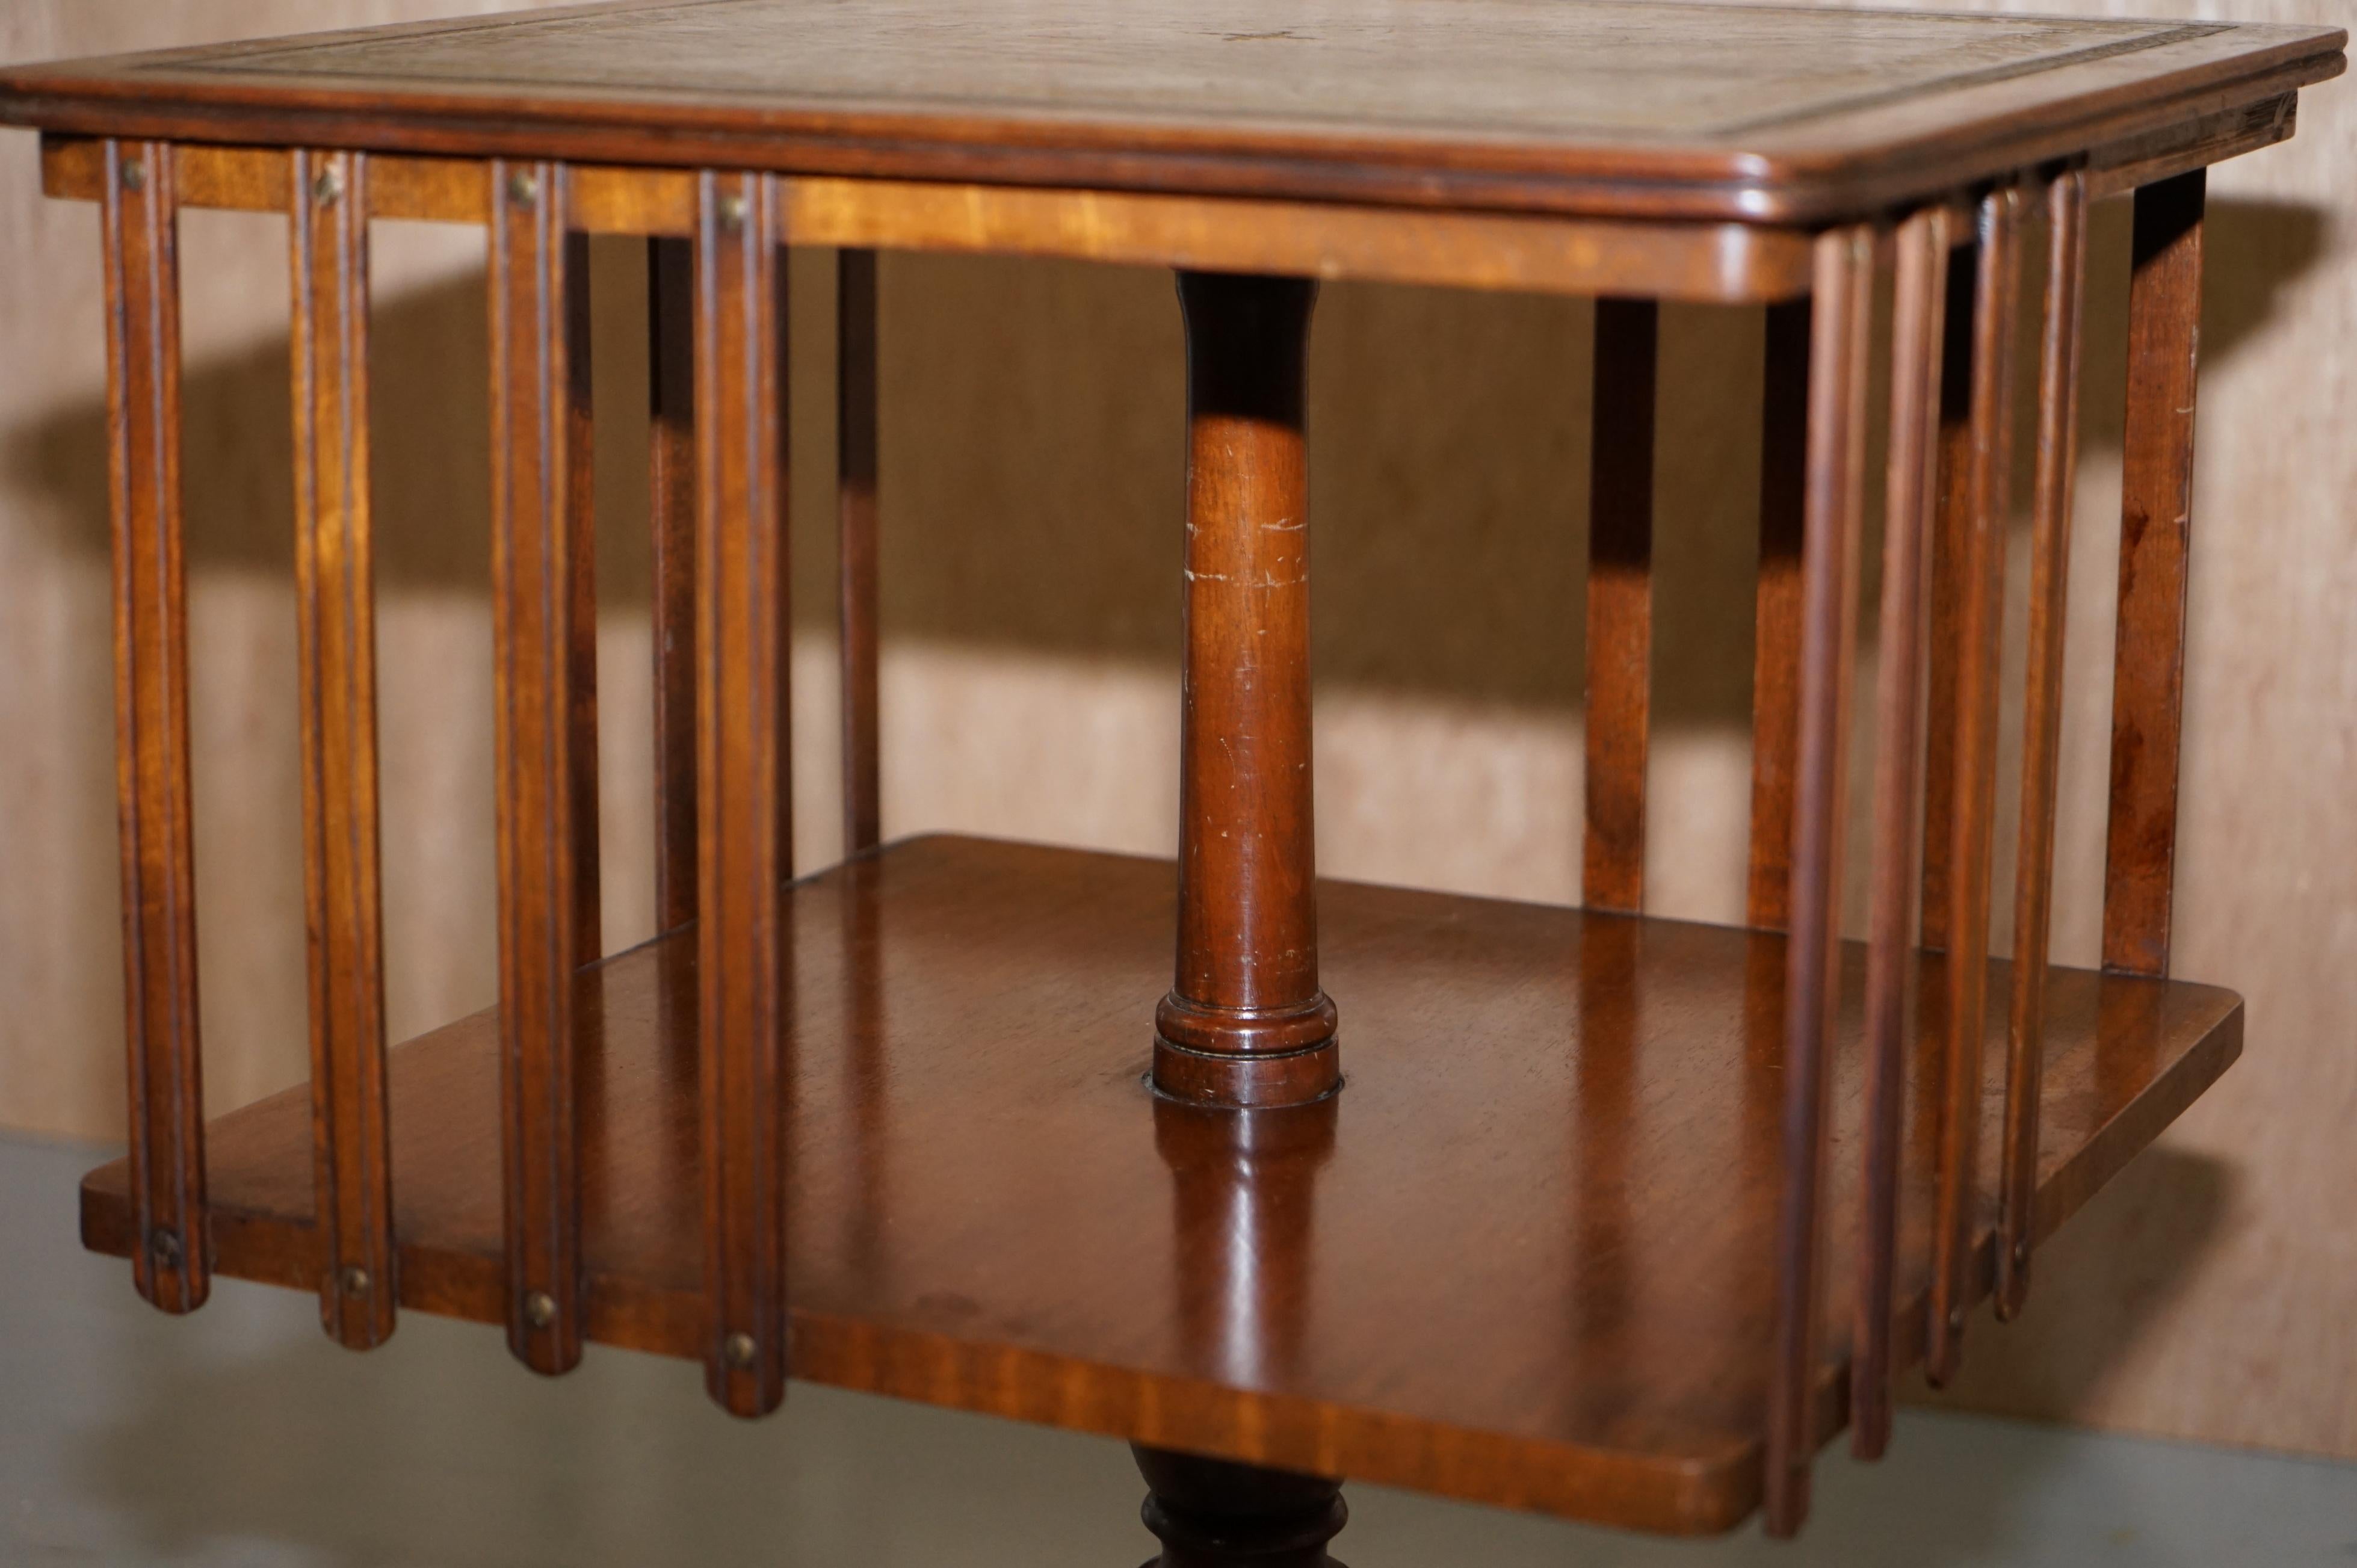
(1031, 488)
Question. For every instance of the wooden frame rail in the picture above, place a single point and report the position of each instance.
(1726, 263)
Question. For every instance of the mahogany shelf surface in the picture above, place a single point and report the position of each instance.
(1605, 108)
(1522, 1258)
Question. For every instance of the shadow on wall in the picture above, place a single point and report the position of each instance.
(2136, 1244)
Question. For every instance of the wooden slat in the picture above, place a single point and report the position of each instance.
(543, 630)
(1619, 602)
(140, 221)
(1915, 360)
(670, 466)
(2041, 748)
(747, 841)
(2156, 525)
(1842, 330)
(1951, 509)
(336, 623)
(855, 432)
(1724, 263)
(1980, 616)
(1774, 683)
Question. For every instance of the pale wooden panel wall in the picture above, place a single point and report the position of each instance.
(1031, 485)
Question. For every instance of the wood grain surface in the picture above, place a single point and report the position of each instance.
(2049, 546)
(1917, 349)
(1245, 1023)
(1776, 612)
(2156, 537)
(1972, 721)
(1608, 107)
(744, 963)
(335, 575)
(1619, 603)
(1719, 261)
(1840, 367)
(993, 1219)
(140, 226)
(544, 603)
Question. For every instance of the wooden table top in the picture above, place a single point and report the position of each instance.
(1610, 108)
(1524, 1257)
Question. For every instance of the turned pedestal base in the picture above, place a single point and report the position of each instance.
(1209, 1513)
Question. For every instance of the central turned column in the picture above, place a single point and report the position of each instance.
(1245, 1025)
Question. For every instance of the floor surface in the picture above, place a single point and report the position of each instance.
(242, 1437)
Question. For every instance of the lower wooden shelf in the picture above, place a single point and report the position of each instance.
(1521, 1259)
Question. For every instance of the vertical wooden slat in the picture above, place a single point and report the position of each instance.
(1915, 359)
(140, 221)
(1775, 689)
(2050, 561)
(1844, 294)
(1619, 602)
(745, 842)
(855, 424)
(1952, 505)
(1980, 614)
(2156, 524)
(544, 736)
(336, 626)
(670, 465)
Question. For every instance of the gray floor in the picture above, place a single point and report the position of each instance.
(240, 1436)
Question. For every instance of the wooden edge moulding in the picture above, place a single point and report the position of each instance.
(1246, 1025)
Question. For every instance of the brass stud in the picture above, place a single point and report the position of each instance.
(733, 211)
(135, 176)
(539, 1309)
(740, 1351)
(523, 189)
(1956, 1319)
(355, 1281)
(164, 1245)
(328, 188)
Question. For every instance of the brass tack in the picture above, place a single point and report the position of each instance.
(732, 212)
(329, 187)
(163, 1242)
(135, 176)
(739, 1350)
(355, 1281)
(523, 190)
(539, 1309)
(1956, 1318)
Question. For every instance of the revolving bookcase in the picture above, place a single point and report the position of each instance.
(1575, 1210)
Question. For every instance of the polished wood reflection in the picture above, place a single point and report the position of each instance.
(1031, 1250)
